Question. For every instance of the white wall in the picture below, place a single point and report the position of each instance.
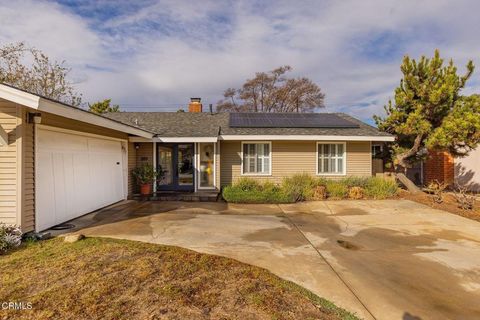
(467, 170)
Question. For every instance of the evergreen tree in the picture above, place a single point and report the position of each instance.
(429, 112)
(103, 107)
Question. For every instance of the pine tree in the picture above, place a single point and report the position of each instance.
(103, 107)
(429, 112)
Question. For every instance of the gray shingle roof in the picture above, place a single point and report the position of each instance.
(186, 124)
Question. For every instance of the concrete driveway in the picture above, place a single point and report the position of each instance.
(391, 259)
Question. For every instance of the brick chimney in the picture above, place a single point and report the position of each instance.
(195, 105)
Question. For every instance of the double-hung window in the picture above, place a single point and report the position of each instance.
(331, 158)
(256, 158)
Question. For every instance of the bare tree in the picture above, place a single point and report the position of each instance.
(30, 69)
(273, 92)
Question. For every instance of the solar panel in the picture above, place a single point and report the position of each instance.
(289, 120)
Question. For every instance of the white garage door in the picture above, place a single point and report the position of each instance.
(76, 174)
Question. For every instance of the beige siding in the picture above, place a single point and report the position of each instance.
(290, 157)
(9, 158)
(359, 158)
(61, 122)
(144, 153)
(132, 163)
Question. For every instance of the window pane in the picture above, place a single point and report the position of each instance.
(326, 150)
(251, 149)
(333, 165)
(266, 149)
(259, 164)
(326, 167)
(251, 165)
(340, 150)
(332, 150)
(340, 165)
(266, 165)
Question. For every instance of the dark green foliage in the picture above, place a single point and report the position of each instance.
(429, 111)
(103, 107)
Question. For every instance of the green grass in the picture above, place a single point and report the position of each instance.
(99, 278)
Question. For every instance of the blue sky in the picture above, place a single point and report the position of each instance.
(154, 55)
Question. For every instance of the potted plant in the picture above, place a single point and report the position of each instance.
(145, 176)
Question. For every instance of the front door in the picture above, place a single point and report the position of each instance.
(175, 164)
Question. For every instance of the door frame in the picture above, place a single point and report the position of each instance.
(175, 186)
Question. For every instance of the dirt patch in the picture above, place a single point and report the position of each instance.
(117, 279)
(449, 204)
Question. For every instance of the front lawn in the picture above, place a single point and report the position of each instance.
(117, 279)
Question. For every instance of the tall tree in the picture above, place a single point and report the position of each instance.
(429, 112)
(103, 107)
(273, 92)
(30, 69)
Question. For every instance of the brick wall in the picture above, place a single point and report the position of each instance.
(439, 166)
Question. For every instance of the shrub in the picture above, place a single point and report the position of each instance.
(10, 237)
(356, 193)
(319, 193)
(248, 190)
(380, 188)
(351, 182)
(300, 186)
(336, 189)
(248, 184)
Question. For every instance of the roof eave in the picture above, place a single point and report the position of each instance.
(308, 137)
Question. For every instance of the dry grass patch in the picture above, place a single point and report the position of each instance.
(448, 203)
(118, 279)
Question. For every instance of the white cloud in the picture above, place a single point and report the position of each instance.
(168, 51)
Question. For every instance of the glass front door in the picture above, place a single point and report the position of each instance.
(175, 164)
(206, 165)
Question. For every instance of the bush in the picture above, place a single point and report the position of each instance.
(10, 237)
(351, 182)
(300, 186)
(380, 188)
(319, 193)
(248, 190)
(336, 189)
(356, 193)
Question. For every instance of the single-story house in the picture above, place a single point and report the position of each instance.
(58, 162)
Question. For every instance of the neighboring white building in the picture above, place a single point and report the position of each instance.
(467, 171)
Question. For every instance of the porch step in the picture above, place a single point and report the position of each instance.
(181, 196)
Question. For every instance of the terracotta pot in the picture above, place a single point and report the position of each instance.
(145, 189)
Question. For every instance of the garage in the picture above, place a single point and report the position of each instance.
(76, 173)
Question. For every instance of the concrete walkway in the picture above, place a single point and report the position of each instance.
(391, 259)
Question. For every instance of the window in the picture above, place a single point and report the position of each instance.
(331, 158)
(256, 158)
(377, 151)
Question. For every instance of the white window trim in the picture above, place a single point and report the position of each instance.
(344, 159)
(269, 173)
